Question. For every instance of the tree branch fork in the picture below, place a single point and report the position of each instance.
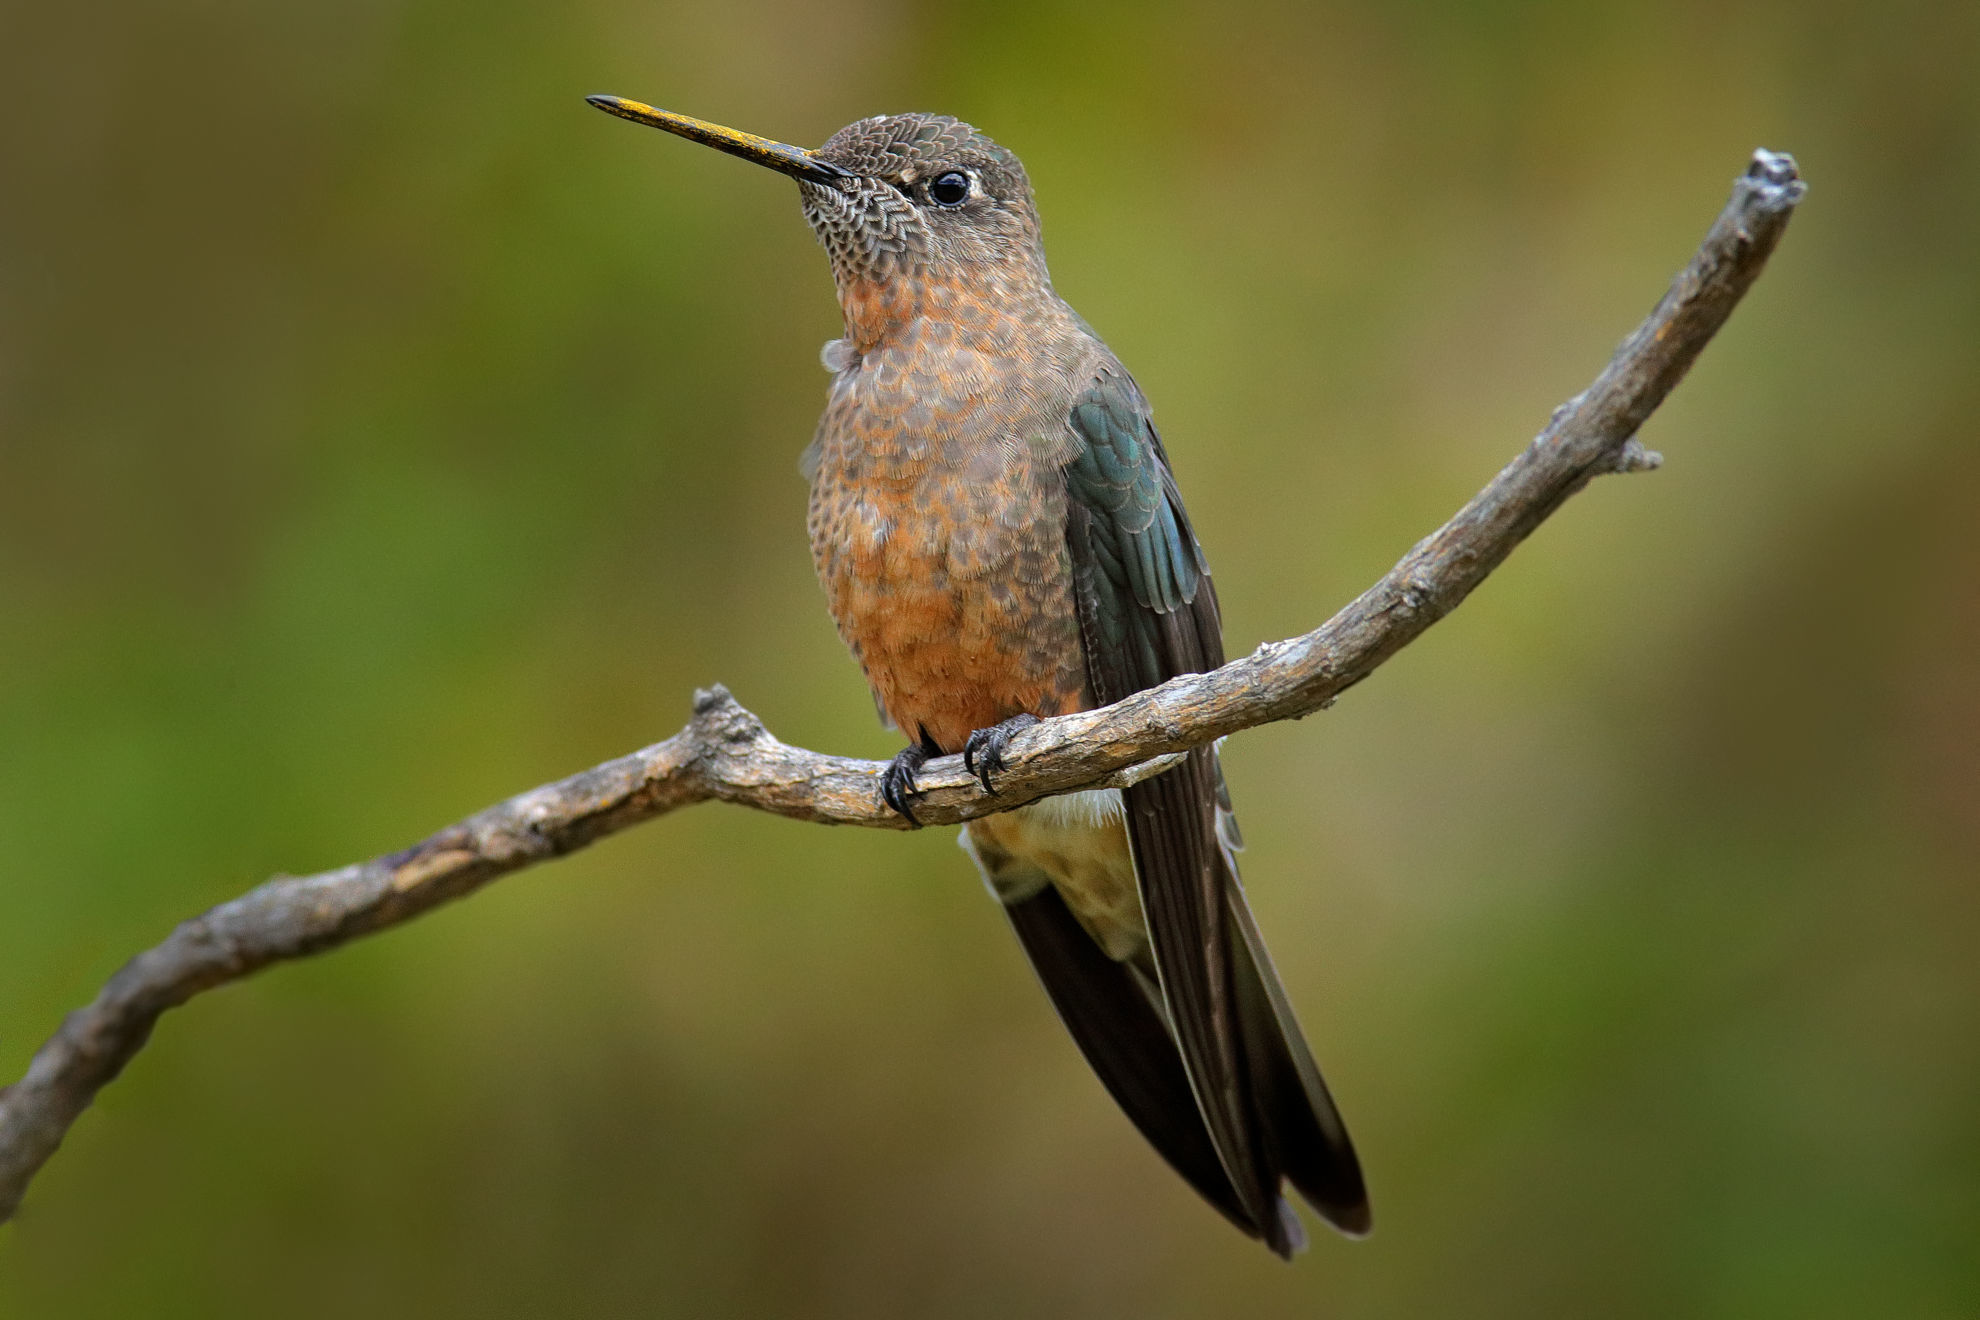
(726, 754)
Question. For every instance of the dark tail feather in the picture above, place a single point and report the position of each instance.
(1303, 1129)
(1109, 1008)
(1126, 1042)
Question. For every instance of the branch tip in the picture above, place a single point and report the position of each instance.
(1777, 176)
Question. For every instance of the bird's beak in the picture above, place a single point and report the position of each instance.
(779, 156)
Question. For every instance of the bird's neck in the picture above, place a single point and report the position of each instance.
(978, 302)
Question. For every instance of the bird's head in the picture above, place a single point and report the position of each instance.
(915, 196)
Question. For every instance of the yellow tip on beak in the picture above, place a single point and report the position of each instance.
(779, 156)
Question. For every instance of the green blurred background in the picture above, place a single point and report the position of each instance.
(383, 432)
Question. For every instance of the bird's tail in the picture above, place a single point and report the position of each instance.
(1116, 1014)
(1303, 1130)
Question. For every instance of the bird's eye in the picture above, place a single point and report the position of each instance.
(951, 189)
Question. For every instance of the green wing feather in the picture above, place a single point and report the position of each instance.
(1148, 612)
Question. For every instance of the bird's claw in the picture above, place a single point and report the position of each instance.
(983, 754)
(897, 787)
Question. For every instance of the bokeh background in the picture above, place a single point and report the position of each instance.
(383, 432)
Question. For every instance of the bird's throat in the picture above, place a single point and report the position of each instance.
(877, 311)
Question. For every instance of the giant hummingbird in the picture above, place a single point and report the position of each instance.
(1000, 539)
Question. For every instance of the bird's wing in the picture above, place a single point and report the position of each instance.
(1138, 580)
(1148, 612)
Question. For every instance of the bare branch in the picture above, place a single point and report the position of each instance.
(725, 753)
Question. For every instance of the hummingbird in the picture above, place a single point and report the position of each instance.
(1000, 538)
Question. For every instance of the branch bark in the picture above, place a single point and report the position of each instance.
(726, 754)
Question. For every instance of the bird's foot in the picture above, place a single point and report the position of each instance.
(897, 780)
(983, 754)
